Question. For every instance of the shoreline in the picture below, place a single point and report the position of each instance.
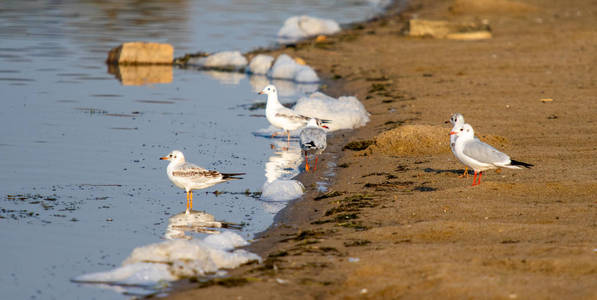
(405, 225)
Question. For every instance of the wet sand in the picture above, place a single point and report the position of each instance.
(404, 225)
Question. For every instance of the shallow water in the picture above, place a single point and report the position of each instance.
(81, 184)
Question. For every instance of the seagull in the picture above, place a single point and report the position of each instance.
(191, 177)
(312, 140)
(280, 116)
(457, 120)
(480, 156)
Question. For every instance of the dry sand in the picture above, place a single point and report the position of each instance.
(401, 223)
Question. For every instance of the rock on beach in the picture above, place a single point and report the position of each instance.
(141, 53)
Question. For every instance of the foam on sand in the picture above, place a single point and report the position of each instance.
(233, 60)
(282, 190)
(287, 68)
(300, 27)
(176, 259)
(345, 112)
(260, 64)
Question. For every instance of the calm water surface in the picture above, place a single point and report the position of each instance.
(80, 183)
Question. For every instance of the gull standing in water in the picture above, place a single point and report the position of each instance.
(480, 156)
(457, 120)
(191, 177)
(312, 141)
(280, 116)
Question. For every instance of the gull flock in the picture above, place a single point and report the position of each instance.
(310, 120)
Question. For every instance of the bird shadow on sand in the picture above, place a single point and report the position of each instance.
(453, 171)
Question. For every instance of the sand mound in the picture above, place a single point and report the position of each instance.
(412, 140)
(421, 140)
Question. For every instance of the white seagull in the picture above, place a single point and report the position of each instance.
(457, 120)
(480, 156)
(313, 140)
(191, 177)
(280, 116)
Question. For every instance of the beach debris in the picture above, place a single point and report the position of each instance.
(321, 38)
(300, 27)
(224, 60)
(545, 100)
(141, 53)
(449, 30)
(353, 259)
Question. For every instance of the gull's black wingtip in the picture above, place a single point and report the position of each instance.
(520, 163)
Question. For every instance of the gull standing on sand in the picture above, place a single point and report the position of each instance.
(191, 177)
(480, 156)
(457, 120)
(280, 116)
(312, 141)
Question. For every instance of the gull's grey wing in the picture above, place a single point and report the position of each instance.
(195, 173)
(294, 117)
(291, 114)
(484, 153)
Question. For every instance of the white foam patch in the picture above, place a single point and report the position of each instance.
(224, 59)
(176, 259)
(300, 27)
(287, 68)
(346, 112)
(133, 274)
(282, 190)
(260, 64)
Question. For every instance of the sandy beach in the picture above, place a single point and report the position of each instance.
(399, 222)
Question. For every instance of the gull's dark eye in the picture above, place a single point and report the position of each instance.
(461, 129)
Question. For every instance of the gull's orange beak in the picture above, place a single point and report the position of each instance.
(260, 93)
(164, 158)
(452, 132)
(325, 127)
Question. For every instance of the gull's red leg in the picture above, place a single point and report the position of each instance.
(475, 179)
(316, 158)
(480, 174)
(306, 162)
